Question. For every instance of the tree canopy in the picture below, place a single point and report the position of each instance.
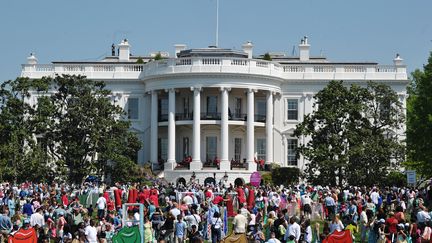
(419, 120)
(73, 130)
(352, 134)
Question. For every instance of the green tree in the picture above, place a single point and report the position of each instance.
(73, 130)
(158, 56)
(267, 57)
(374, 141)
(20, 157)
(83, 129)
(327, 149)
(419, 120)
(353, 134)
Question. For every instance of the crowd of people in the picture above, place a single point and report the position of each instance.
(195, 213)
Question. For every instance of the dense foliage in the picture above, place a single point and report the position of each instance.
(419, 121)
(353, 134)
(73, 131)
(281, 176)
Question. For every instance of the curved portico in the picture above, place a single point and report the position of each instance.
(225, 124)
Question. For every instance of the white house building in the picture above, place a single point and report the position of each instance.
(219, 109)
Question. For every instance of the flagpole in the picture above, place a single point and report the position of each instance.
(217, 23)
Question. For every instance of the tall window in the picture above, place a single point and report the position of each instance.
(261, 148)
(186, 107)
(133, 108)
(292, 109)
(238, 107)
(163, 148)
(237, 149)
(185, 147)
(211, 148)
(261, 110)
(292, 152)
(211, 104)
(163, 109)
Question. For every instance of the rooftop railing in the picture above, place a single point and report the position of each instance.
(219, 65)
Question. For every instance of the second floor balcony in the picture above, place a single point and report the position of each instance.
(212, 116)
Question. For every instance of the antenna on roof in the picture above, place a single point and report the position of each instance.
(293, 53)
(217, 23)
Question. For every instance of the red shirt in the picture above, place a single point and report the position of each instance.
(141, 197)
(147, 193)
(241, 195)
(154, 199)
(217, 199)
(65, 200)
(392, 224)
(208, 194)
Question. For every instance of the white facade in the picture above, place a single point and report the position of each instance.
(247, 108)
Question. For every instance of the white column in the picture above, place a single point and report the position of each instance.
(250, 138)
(224, 163)
(171, 130)
(196, 163)
(269, 128)
(154, 128)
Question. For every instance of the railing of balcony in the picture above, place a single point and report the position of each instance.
(210, 116)
(260, 118)
(238, 164)
(238, 117)
(214, 64)
(163, 117)
(184, 116)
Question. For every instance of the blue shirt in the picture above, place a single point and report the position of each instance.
(329, 201)
(180, 228)
(27, 209)
(5, 223)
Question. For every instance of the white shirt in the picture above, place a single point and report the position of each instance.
(293, 229)
(101, 202)
(374, 196)
(305, 199)
(308, 236)
(37, 218)
(188, 200)
(273, 240)
(423, 216)
(240, 222)
(363, 218)
(276, 201)
(194, 219)
(91, 234)
(175, 212)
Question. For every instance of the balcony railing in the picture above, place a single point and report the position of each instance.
(100, 70)
(260, 118)
(210, 116)
(163, 117)
(239, 164)
(238, 117)
(184, 116)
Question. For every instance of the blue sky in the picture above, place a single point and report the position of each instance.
(344, 30)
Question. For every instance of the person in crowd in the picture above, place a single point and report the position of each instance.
(240, 223)
(293, 230)
(180, 231)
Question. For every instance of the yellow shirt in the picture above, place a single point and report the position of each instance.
(351, 228)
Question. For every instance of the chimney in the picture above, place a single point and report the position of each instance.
(398, 61)
(248, 48)
(124, 51)
(32, 60)
(179, 48)
(304, 49)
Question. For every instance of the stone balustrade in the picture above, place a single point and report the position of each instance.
(325, 71)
